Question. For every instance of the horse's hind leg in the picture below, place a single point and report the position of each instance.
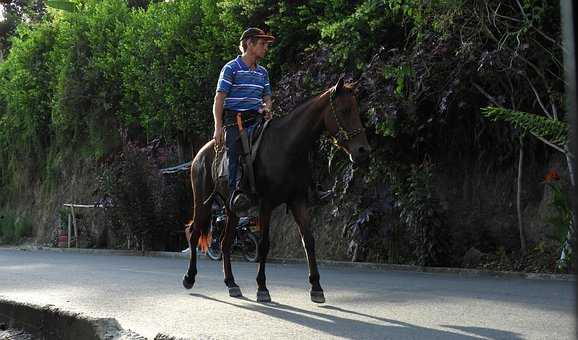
(226, 245)
(301, 215)
(202, 185)
(201, 219)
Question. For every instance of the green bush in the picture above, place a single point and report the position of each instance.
(13, 227)
(74, 84)
(25, 95)
(421, 212)
(79, 85)
(87, 78)
(140, 202)
(171, 55)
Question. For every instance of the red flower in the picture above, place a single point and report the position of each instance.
(551, 176)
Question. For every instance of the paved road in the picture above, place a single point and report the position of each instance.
(145, 295)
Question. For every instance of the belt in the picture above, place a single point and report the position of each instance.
(246, 116)
(248, 112)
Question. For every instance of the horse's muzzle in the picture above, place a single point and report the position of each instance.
(360, 155)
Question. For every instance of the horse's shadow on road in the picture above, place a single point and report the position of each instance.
(351, 325)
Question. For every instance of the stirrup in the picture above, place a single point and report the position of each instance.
(240, 203)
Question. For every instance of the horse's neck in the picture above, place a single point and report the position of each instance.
(305, 126)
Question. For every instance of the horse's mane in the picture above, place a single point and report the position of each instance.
(307, 103)
(304, 105)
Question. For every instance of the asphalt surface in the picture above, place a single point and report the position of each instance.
(145, 295)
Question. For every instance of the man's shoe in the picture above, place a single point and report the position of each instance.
(240, 203)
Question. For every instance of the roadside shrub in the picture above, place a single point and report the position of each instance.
(422, 213)
(171, 55)
(139, 203)
(13, 227)
(86, 81)
(24, 107)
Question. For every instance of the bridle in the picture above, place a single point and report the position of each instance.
(342, 135)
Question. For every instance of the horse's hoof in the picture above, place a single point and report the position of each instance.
(235, 292)
(317, 296)
(263, 296)
(188, 283)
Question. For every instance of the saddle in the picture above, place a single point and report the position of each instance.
(220, 168)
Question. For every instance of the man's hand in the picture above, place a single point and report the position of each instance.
(266, 108)
(218, 117)
(218, 137)
(267, 113)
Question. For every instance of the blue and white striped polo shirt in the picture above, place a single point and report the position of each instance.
(245, 88)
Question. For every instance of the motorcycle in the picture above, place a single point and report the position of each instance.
(243, 237)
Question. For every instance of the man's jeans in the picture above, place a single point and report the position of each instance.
(233, 145)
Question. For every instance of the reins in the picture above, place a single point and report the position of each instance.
(342, 134)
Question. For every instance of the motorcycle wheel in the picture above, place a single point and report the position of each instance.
(250, 247)
(214, 252)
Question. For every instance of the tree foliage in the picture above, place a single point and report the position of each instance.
(552, 130)
(16, 12)
(139, 202)
(25, 94)
(76, 83)
(85, 83)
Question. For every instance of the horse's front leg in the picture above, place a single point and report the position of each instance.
(301, 216)
(264, 220)
(226, 245)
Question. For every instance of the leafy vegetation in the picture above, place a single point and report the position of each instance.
(552, 130)
(421, 213)
(140, 203)
(83, 79)
(14, 227)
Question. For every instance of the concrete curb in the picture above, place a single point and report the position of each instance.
(467, 272)
(48, 322)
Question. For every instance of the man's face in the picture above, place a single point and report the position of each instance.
(259, 48)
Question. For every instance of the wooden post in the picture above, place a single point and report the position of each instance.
(69, 228)
(75, 228)
(519, 198)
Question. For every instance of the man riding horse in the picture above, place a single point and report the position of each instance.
(282, 170)
(243, 91)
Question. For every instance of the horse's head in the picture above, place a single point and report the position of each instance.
(343, 123)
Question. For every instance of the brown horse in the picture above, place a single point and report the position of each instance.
(282, 175)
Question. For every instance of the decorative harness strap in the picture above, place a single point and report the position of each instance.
(342, 135)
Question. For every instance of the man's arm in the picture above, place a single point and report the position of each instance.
(267, 107)
(218, 105)
(223, 87)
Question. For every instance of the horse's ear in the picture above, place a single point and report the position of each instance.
(355, 85)
(340, 85)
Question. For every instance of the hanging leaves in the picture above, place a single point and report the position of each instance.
(555, 131)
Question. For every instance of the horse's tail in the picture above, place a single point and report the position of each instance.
(201, 180)
(204, 237)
